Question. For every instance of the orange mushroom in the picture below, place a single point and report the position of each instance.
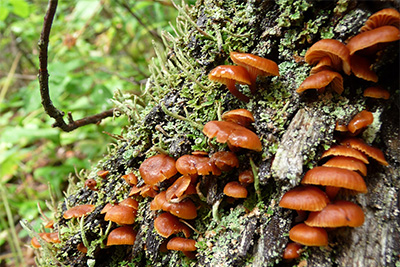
(242, 117)
(91, 184)
(345, 152)
(292, 251)
(167, 224)
(224, 160)
(124, 235)
(376, 92)
(322, 79)
(157, 169)
(181, 244)
(78, 211)
(370, 151)
(256, 66)
(309, 198)
(192, 165)
(360, 121)
(130, 178)
(369, 39)
(230, 75)
(338, 214)
(337, 52)
(48, 237)
(325, 63)
(178, 188)
(103, 173)
(348, 163)
(233, 134)
(121, 215)
(184, 209)
(308, 236)
(235, 190)
(246, 177)
(361, 68)
(387, 16)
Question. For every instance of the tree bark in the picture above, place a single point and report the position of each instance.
(295, 130)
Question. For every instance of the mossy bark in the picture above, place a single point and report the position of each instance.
(294, 130)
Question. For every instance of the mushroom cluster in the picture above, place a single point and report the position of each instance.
(343, 171)
(248, 68)
(331, 56)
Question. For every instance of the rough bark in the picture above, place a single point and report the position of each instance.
(294, 130)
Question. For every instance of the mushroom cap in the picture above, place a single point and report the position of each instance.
(225, 160)
(167, 224)
(292, 251)
(184, 209)
(192, 164)
(344, 151)
(376, 92)
(91, 184)
(178, 188)
(78, 211)
(236, 190)
(103, 173)
(48, 237)
(121, 215)
(387, 16)
(348, 163)
(384, 34)
(370, 151)
(340, 127)
(235, 135)
(130, 202)
(124, 235)
(181, 244)
(338, 214)
(157, 169)
(336, 177)
(334, 49)
(255, 65)
(325, 63)
(307, 197)
(130, 178)
(361, 68)
(246, 177)
(322, 79)
(308, 236)
(240, 116)
(81, 247)
(360, 121)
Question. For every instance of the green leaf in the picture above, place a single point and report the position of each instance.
(21, 8)
(4, 10)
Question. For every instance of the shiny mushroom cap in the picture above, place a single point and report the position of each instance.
(308, 198)
(78, 211)
(370, 151)
(224, 160)
(241, 116)
(157, 169)
(233, 134)
(181, 244)
(292, 251)
(334, 49)
(178, 188)
(308, 236)
(387, 16)
(336, 177)
(184, 209)
(121, 215)
(338, 214)
(360, 121)
(124, 235)
(345, 151)
(167, 224)
(192, 165)
(348, 163)
(376, 92)
(322, 79)
(230, 75)
(235, 189)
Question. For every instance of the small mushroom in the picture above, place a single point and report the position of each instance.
(308, 236)
(235, 190)
(181, 244)
(243, 117)
(103, 174)
(122, 215)
(78, 211)
(230, 75)
(184, 209)
(130, 179)
(360, 121)
(256, 66)
(246, 177)
(376, 92)
(157, 169)
(361, 68)
(124, 235)
(193, 165)
(387, 16)
(348, 163)
(178, 188)
(345, 151)
(321, 80)
(292, 251)
(167, 224)
(91, 184)
(233, 134)
(308, 198)
(224, 160)
(370, 151)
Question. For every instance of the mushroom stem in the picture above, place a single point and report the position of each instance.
(215, 207)
(254, 169)
(301, 216)
(331, 191)
(234, 91)
(179, 117)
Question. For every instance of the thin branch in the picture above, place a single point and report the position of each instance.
(43, 77)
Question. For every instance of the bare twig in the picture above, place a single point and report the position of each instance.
(43, 77)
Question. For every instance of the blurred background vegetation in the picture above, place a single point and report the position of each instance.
(96, 47)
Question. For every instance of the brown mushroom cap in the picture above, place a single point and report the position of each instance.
(178, 188)
(167, 224)
(181, 244)
(325, 63)
(336, 177)
(192, 164)
(360, 121)
(233, 134)
(91, 184)
(338, 214)
(335, 50)
(292, 251)
(124, 235)
(225, 160)
(384, 34)
(130, 178)
(361, 68)
(345, 152)
(103, 173)
(376, 92)
(157, 169)
(121, 215)
(241, 116)
(130, 202)
(370, 151)
(322, 79)
(348, 163)
(235, 190)
(387, 16)
(255, 65)
(78, 211)
(230, 75)
(246, 177)
(308, 236)
(48, 237)
(307, 197)
(184, 209)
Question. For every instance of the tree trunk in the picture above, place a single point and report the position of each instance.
(294, 129)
